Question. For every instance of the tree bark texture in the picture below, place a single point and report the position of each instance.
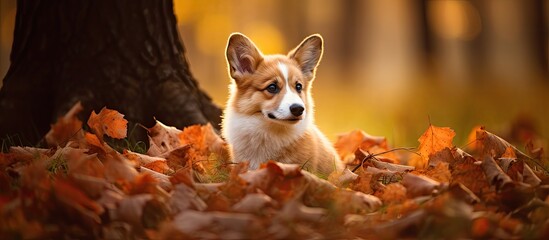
(122, 54)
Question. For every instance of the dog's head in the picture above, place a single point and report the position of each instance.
(275, 86)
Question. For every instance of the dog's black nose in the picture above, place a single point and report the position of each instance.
(296, 109)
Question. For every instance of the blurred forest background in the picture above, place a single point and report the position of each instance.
(388, 66)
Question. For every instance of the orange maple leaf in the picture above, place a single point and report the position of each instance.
(348, 143)
(109, 122)
(434, 139)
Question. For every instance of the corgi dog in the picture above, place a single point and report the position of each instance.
(269, 114)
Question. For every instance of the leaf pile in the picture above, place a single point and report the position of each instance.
(186, 187)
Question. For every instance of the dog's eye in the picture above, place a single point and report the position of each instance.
(273, 88)
(298, 87)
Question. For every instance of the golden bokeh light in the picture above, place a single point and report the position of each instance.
(267, 37)
(454, 19)
(212, 33)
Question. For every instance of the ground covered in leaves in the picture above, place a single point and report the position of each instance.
(184, 186)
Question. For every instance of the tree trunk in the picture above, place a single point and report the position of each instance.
(123, 54)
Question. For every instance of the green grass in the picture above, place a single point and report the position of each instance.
(132, 142)
(58, 165)
(10, 141)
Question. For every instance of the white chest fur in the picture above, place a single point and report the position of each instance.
(257, 139)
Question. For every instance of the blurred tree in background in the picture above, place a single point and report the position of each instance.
(125, 55)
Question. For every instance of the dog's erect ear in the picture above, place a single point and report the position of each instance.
(308, 54)
(242, 56)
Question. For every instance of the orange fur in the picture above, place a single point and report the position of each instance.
(259, 124)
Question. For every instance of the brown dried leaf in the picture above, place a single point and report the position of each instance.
(253, 203)
(417, 185)
(355, 202)
(530, 177)
(495, 176)
(162, 179)
(467, 171)
(85, 164)
(92, 186)
(294, 210)
(195, 224)
(183, 175)
(184, 198)
(363, 182)
(130, 209)
(117, 167)
(163, 139)
(141, 159)
(342, 179)
(66, 128)
(391, 166)
(443, 156)
(460, 191)
(440, 172)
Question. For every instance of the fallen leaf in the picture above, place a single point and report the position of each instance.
(119, 168)
(418, 185)
(394, 193)
(143, 183)
(66, 128)
(253, 203)
(183, 175)
(160, 166)
(130, 209)
(108, 122)
(509, 153)
(294, 210)
(495, 175)
(141, 159)
(530, 177)
(84, 164)
(162, 179)
(163, 139)
(363, 182)
(348, 143)
(184, 198)
(433, 140)
(355, 202)
(440, 172)
(92, 186)
(460, 191)
(391, 166)
(342, 179)
(468, 171)
(195, 224)
(495, 146)
(74, 198)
